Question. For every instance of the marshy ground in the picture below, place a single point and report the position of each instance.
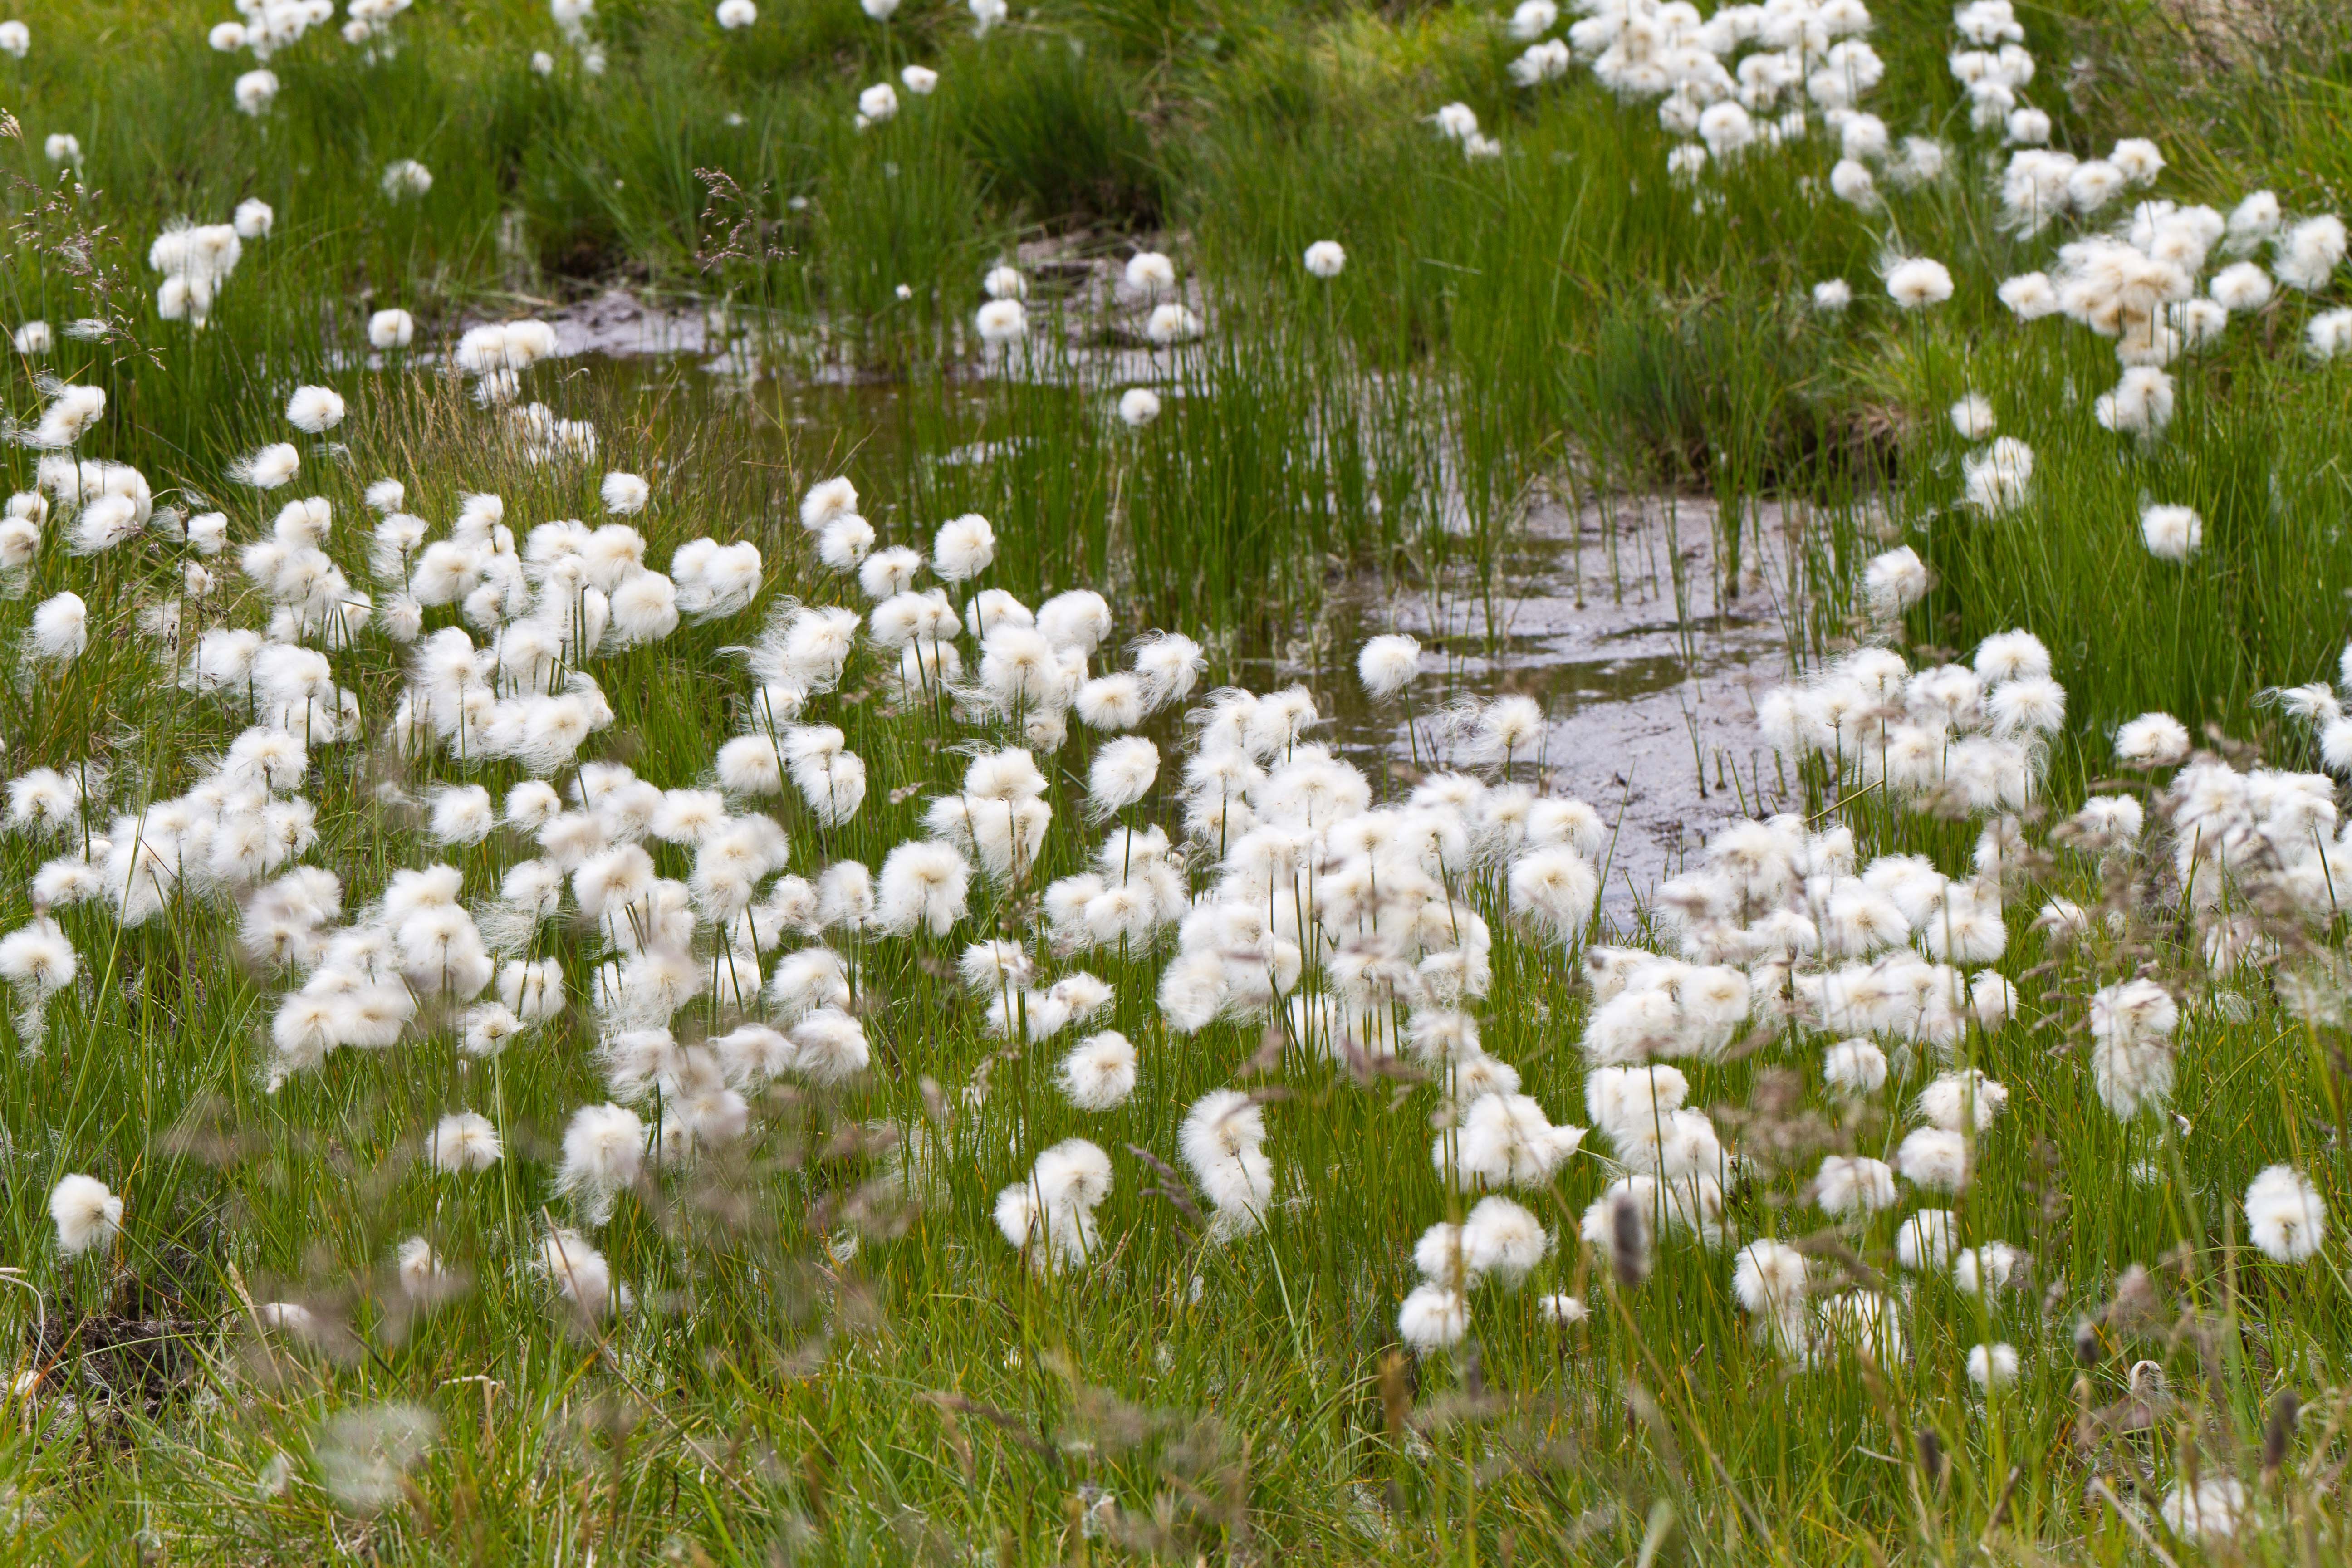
(1136, 779)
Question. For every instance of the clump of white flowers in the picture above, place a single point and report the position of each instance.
(406, 177)
(1114, 865)
(196, 259)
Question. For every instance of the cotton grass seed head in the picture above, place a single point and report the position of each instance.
(1996, 478)
(2284, 1216)
(2030, 296)
(963, 548)
(314, 409)
(86, 1216)
(1100, 1073)
(1972, 416)
(1853, 1185)
(393, 329)
(462, 1141)
(1121, 775)
(2152, 740)
(2242, 286)
(1894, 582)
(2209, 1512)
(1172, 323)
(1992, 1366)
(2328, 334)
(624, 495)
(1388, 664)
(1001, 322)
(827, 500)
(404, 178)
(1434, 1317)
(1151, 274)
(2171, 533)
(2140, 405)
(60, 629)
(1851, 183)
(255, 91)
(1917, 281)
(363, 1456)
(2305, 256)
(1854, 1068)
(268, 468)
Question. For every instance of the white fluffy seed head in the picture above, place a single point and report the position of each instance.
(624, 495)
(2171, 533)
(1001, 322)
(1853, 1185)
(2284, 1215)
(1100, 1073)
(86, 1213)
(1388, 664)
(1121, 775)
(1769, 1278)
(1502, 1240)
(315, 409)
(391, 328)
(1919, 281)
(963, 548)
(1992, 1366)
(603, 1149)
(1151, 273)
(61, 628)
(1137, 406)
(462, 1141)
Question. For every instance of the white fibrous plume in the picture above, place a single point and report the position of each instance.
(603, 1149)
(38, 961)
(1388, 664)
(1050, 1215)
(60, 629)
(898, 851)
(1223, 1142)
(86, 1216)
(582, 1276)
(1100, 1073)
(196, 260)
(2285, 1216)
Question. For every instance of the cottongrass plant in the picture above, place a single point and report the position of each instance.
(816, 1002)
(1186, 952)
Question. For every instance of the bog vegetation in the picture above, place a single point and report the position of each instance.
(773, 953)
